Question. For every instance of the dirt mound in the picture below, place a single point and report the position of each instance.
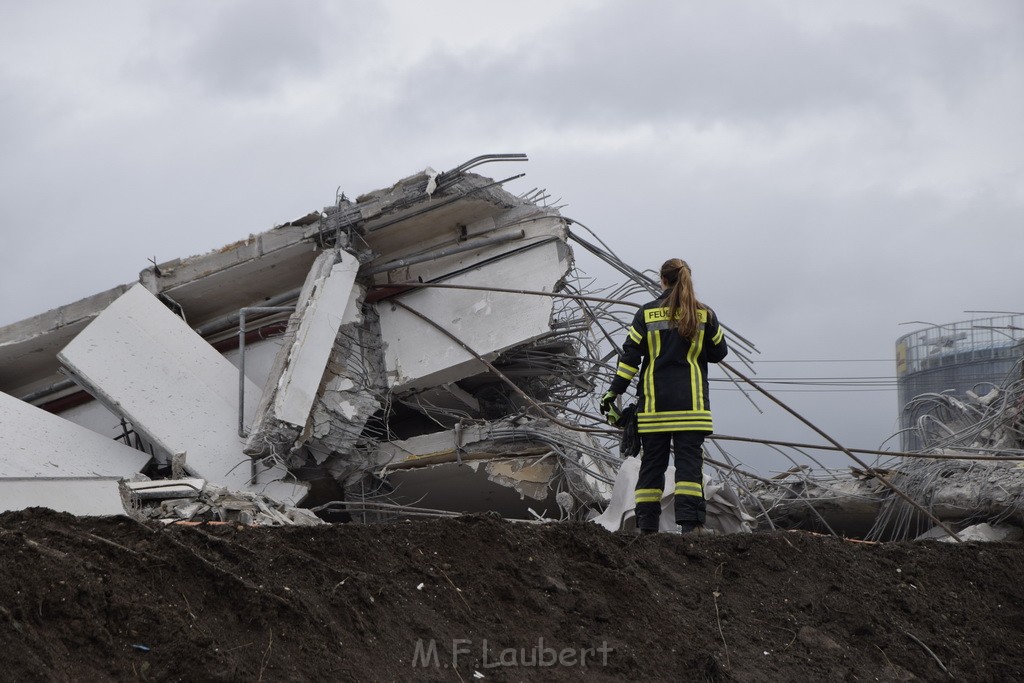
(111, 599)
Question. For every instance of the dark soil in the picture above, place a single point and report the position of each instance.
(111, 599)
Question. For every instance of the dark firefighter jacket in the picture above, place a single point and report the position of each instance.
(673, 370)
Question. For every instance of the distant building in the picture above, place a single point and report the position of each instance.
(969, 356)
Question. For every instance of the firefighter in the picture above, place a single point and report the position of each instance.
(669, 345)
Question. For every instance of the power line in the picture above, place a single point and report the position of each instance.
(829, 360)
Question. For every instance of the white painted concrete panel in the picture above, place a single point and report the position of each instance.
(417, 355)
(314, 341)
(146, 363)
(76, 496)
(259, 358)
(35, 443)
(95, 417)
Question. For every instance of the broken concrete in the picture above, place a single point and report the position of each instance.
(301, 377)
(419, 356)
(138, 350)
(360, 372)
(48, 461)
(194, 500)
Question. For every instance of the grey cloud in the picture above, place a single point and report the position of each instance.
(255, 48)
(707, 62)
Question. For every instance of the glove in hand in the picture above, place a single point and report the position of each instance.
(608, 408)
(608, 401)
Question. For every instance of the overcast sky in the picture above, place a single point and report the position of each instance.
(829, 169)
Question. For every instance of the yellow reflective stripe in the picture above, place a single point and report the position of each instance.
(626, 371)
(674, 415)
(691, 488)
(653, 348)
(681, 421)
(648, 495)
(718, 336)
(634, 335)
(676, 427)
(691, 359)
(699, 381)
(648, 498)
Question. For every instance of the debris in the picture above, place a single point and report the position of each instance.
(50, 462)
(429, 348)
(163, 501)
(982, 533)
(137, 350)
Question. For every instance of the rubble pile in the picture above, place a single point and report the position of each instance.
(967, 474)
(428, 348)
(176, 501)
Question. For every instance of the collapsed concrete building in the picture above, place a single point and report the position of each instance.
(372, 356)
(427, 349)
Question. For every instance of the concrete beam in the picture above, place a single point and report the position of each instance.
(314, 393)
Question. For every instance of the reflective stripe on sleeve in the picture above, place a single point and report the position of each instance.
(626, 371)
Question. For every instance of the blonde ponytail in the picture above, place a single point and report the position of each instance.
(682, 301)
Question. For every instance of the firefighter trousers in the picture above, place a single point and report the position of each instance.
(689, 489)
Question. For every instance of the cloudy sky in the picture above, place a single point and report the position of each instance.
(830, 169)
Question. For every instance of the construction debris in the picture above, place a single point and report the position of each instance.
(424, 345)
(195, 500)
(51, 462)
(968, 474)
(427, 349)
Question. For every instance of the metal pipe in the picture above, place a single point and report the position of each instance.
(231, 319)
(47, 390)
(242, 312)
(441, 253)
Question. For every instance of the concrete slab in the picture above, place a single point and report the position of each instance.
(313, 393)
(49, 462)
(314, 340)
(90, 497)
(144, 362)
(35, 443)
(419, 356)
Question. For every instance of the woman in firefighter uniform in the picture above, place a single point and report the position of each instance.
(670, 343)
